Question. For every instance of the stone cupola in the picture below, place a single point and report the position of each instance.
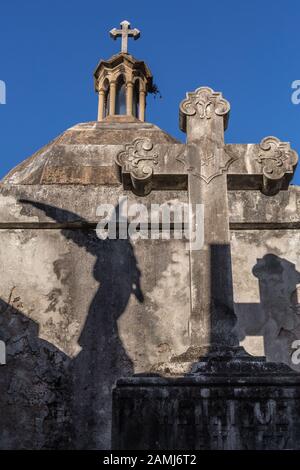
(122, 82)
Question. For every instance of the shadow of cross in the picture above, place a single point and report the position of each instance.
(207, 169)
(276, 317)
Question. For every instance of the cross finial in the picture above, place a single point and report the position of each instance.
(124, 33)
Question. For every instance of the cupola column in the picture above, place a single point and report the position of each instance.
(101, 104)
(129, 98)
(112, 98)
(142, 105)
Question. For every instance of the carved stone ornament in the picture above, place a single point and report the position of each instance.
(205, 102)
(137, 160)
(277, 160)
(212, 163)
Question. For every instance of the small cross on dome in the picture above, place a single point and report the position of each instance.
(125, 32)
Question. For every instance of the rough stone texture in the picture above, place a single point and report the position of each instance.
(207, 413)
(78, 313)
(266, 271)
(254, 210)
(74, 319)
(212, 379)
(84, 154)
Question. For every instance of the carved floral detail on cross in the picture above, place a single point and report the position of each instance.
(276, 157)
(138, 160)
(204, 102)
(210, 166)
(206, 159)
(277, 161)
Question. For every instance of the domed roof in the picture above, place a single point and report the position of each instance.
(85, 153)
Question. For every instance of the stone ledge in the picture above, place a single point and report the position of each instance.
(207, 413)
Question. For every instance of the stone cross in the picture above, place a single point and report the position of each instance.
(203, 117)
(124, 33)
(207, 168)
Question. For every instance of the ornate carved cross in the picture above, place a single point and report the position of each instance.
(124, 33)
(207, 168)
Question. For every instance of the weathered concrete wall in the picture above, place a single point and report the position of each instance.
(266, 272)
(254, 210)
(77, 313)
(258, 412)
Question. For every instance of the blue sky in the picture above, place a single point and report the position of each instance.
(249, 50)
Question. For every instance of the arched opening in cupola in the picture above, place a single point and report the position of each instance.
(106, 88)
(136, 98)
(120, 96)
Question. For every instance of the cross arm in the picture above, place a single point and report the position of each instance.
(115, 33)
(144, 166)
(135, 33)
(268, 166)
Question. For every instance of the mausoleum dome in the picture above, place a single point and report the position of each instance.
(85, 153)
